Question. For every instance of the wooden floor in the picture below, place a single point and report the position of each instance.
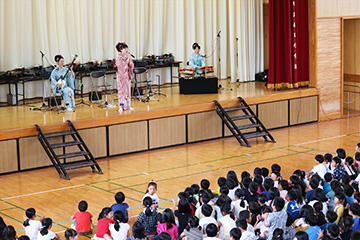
(17, 117)
(172, 168)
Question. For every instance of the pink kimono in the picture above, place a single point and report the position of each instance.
(123, 77)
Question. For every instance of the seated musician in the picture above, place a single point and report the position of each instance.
(63, 84)
(196, 61)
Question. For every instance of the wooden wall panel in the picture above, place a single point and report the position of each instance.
(326, 8)
(205, 125)
(337, 8)
(128, 137)
(240, 122)
(351, 95)
(33, 155)
(350, 46)
(329, 66)
(167, 131)
(312, 43)
(8, 153)
(95, 140)
(274, 115)
(303, 110)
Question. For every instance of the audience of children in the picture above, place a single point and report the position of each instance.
(320, 204)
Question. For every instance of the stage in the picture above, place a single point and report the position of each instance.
(172, 120)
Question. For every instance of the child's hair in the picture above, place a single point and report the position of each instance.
(333, 230)
(357, 156)
(268, 183)
(295, 179)
(195, 45)
(239, 193)
(164, 236)
(23, 237)
(263, 198)
(273, 193)
(253, 187)
(331, 216)
(328, 157)
(289, 219)
(355, 209)
(206, 210)
(119, 217)
(257, 171)
(226, 208)
(284, 184)
(348, 222)
(311, 219)
(328, 177)
(319, 158)
(278, 234)
(70, 233)
(275, 168)
(244, 214)
(292, 195)
(246, 182)
(119, 197)
(258, 179)
(30, 213)
(300, 197)
(301, 235)
(279, 203)
(314, 183)
(105, 211)
(266, 210)
(340, 196)
(335, 184)
(195, 188)
(211, 230)
(306, 210)
(337, 160)
(232, 175)
(320, 195)
(254, 207)
(205, 184)
(46, 223)
(345, 180)
(193, 223)
(205, 196)
(138, 230)
(223, 199)
(265, 172)
(357, 197)
(235, 233)
(224, 190)
(151, 183)
(349, 160)
(83, 206)
(9, 233)
(318, 207)
(244, 174)
(355, 235)
(231, 183)
(58, 57)
(341, 153)
(349, 190)
(241, 223)
(147, 201)
(221, 182)
(120, 46)
(184, 206)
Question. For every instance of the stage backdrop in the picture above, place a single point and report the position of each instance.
(91, 28)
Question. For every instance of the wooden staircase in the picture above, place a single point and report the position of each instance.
(254, 122)
(61, 167)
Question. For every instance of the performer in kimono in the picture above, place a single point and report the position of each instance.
(196, 61)
(125, 67)
(63, 84)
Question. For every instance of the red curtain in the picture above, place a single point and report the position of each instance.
(288, 44)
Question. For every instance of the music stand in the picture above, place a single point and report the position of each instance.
(220, 86)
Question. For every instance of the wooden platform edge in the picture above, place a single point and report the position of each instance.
(162, 113)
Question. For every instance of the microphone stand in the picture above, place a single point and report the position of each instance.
(43, 105)
(219, 69)
(237, 62)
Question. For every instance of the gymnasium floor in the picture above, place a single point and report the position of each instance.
(172, 168)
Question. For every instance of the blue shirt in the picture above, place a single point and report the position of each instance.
(349, 200)
(325, 226)
(293, 209)
(196, 60)
(309, 195)
(313, 232)
(326, 187)
(356, 224)
(339, 171)
(122, 207)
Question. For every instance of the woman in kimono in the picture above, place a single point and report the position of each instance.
(196, 61)
(125, 67)
(63, 84)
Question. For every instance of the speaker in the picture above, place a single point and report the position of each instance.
(94, 97)
(52, 103)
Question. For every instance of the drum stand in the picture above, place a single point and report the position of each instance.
(220, 86)
(43, 106)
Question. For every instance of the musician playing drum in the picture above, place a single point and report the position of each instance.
(196, 61)
(63, 84)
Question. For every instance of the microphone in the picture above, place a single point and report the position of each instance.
(42, 54)
(219, 33)
(131, 54)
(203, 55)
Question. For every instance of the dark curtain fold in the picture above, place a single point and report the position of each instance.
(288, 44)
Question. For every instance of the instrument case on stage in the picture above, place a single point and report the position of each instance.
(198, 85)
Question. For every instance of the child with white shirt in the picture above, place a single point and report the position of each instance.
(45, 233)
(32, 226)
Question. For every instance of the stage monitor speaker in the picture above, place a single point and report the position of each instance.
(95, 97)
(52, 103)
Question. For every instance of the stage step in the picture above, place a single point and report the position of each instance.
(259, 128)
(88, 161)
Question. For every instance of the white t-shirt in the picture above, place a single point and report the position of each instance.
(247, 236)
(50, 235)
(206, 221)
(320, 169)
(227, 223)
(154, 197)
(122, 233)
(33, 229)
(231, 194)
(237, 208)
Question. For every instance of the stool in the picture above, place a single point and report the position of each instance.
(136, 91)
(98, 74)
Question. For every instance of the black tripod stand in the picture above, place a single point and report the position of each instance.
(219, 66)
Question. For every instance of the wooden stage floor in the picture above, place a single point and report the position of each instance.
(18, 117)
(172, 168)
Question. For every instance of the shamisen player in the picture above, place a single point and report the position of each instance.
(196, 61)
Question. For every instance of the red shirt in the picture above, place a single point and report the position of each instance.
(103, 227)
(83, 221)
